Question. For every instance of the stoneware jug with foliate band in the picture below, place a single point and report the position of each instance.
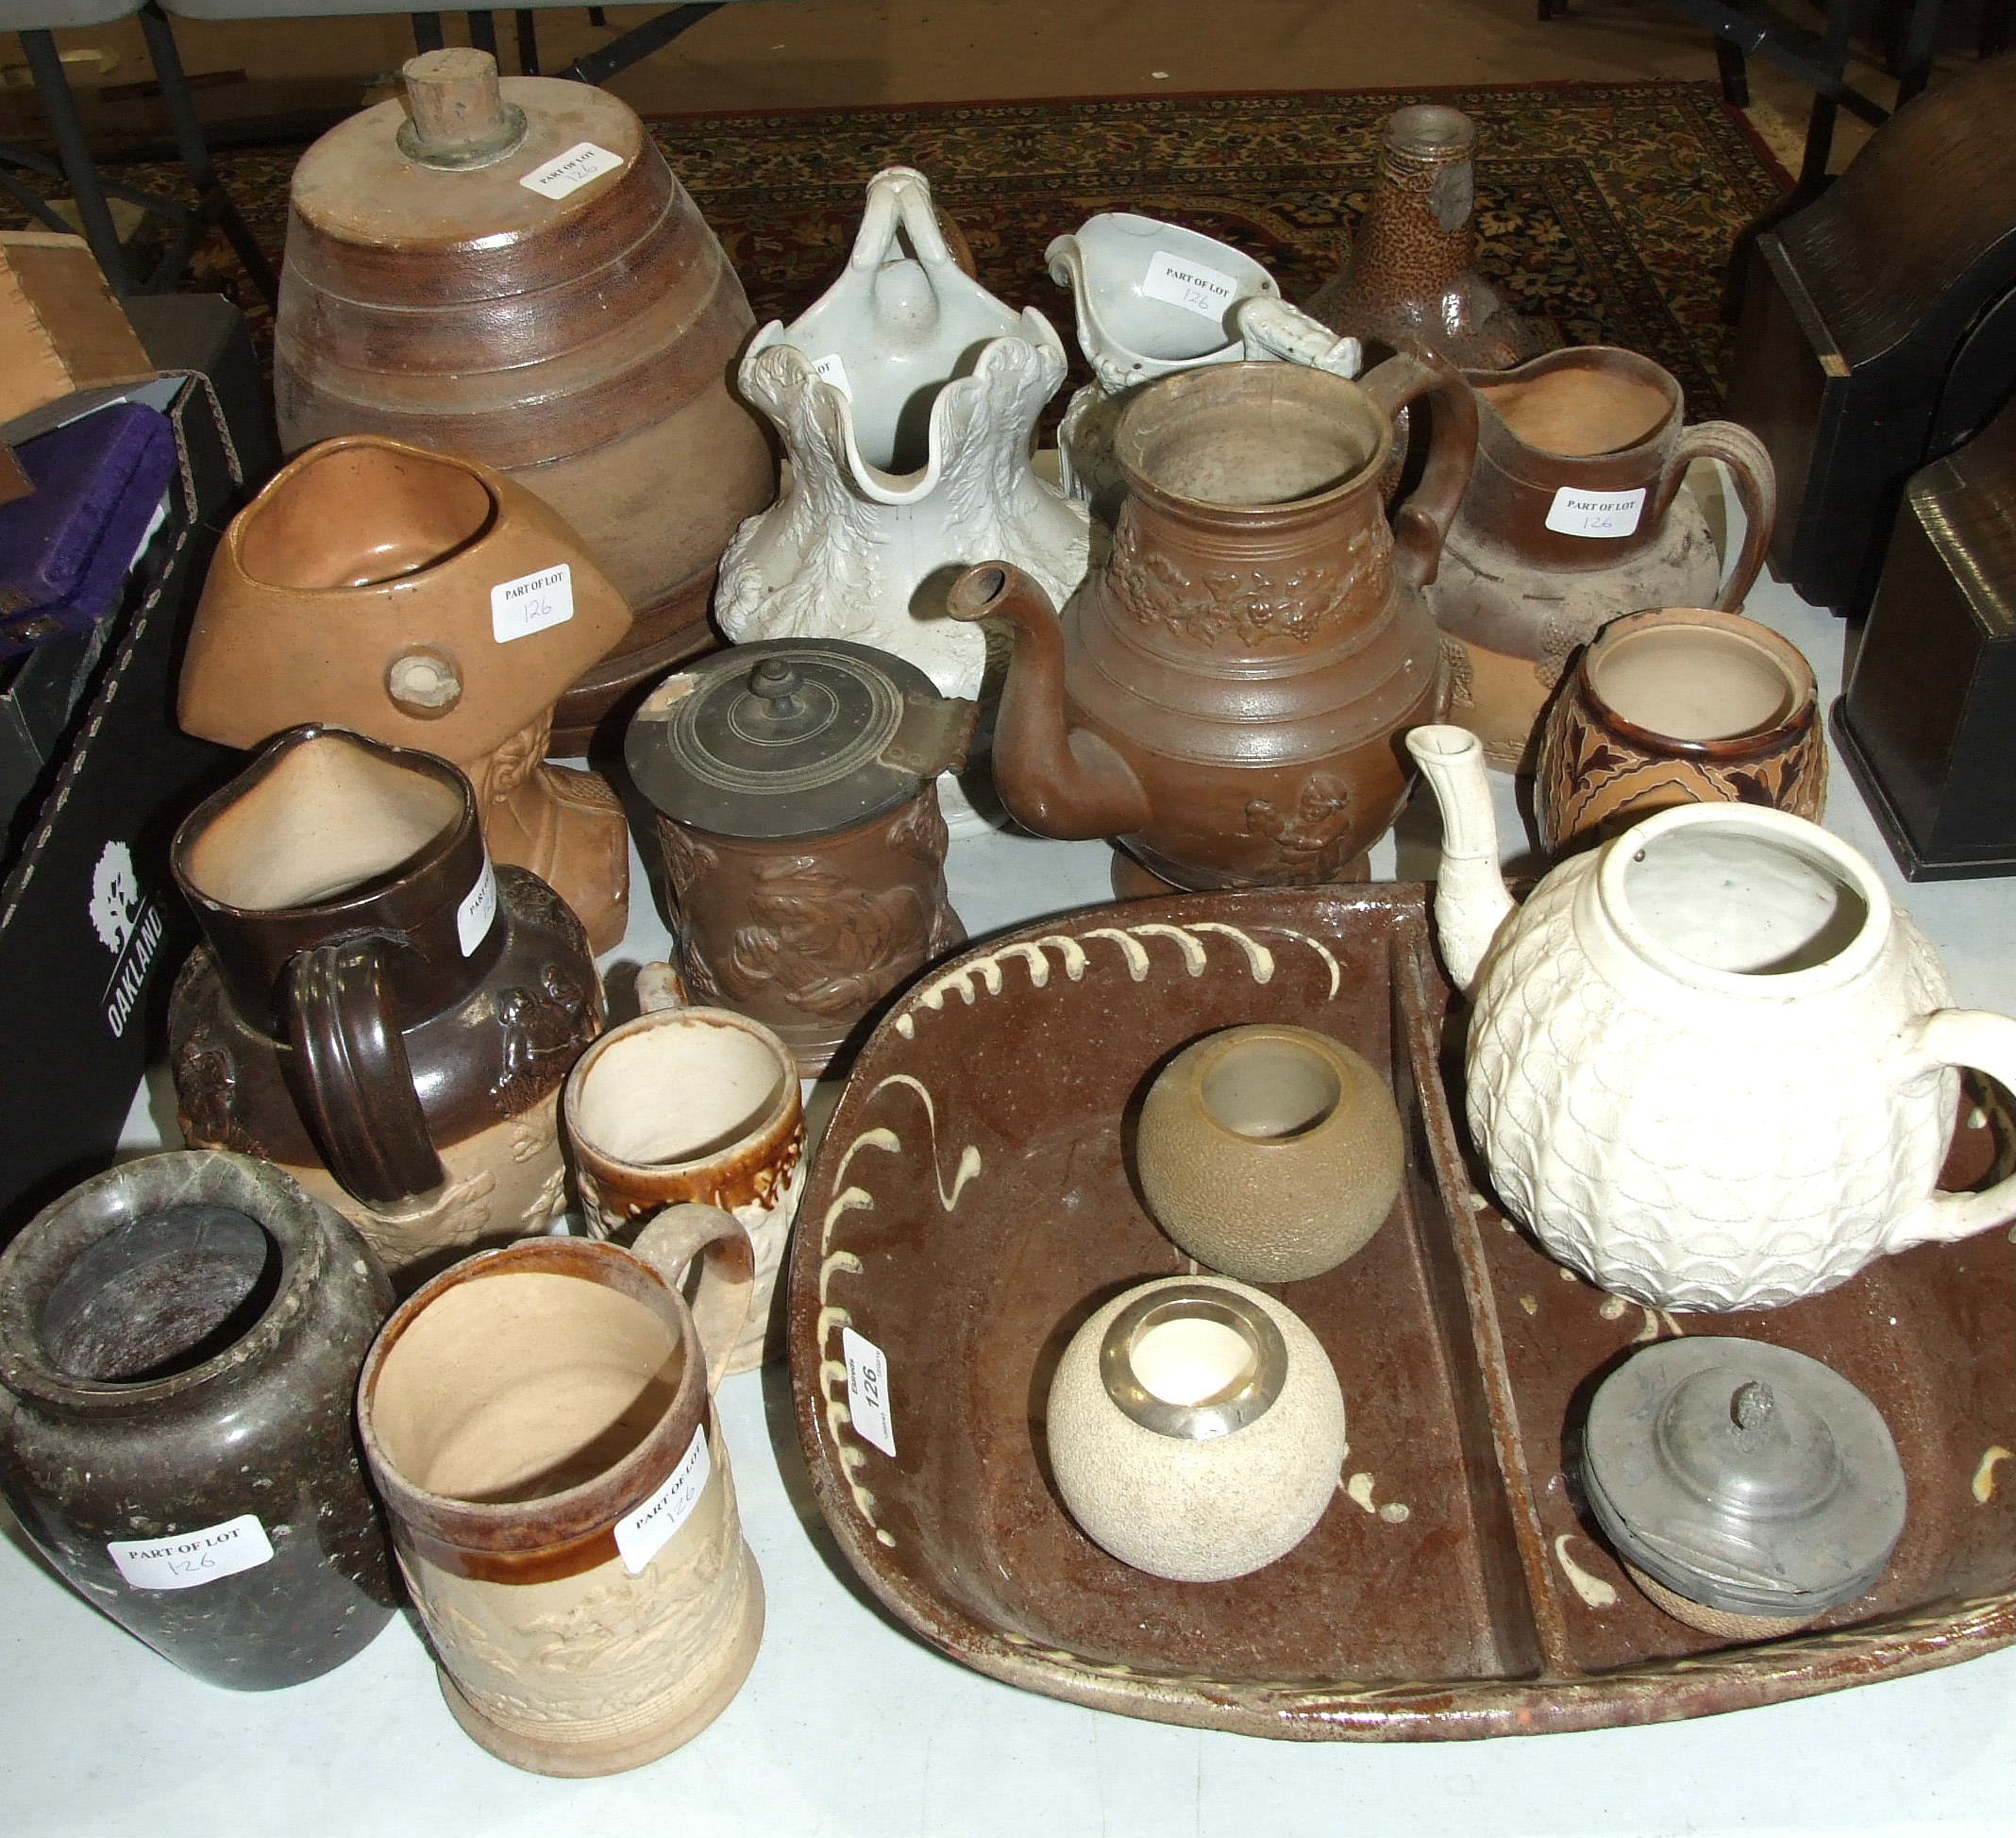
(1576, 514)
(376, 1008)
(1223, 696)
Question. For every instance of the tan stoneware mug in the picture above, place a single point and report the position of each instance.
(540, 1426)
(1679, 706)
(692, 1105)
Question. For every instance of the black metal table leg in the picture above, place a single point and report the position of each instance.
(1915, 68)
(638, 44)
(1734, 71)
(52, 84)
(528, 23)
(196, 154)
(428, 35)
(482, 32)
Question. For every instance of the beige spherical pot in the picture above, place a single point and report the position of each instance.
(1196, 1429)
(1271, 1154)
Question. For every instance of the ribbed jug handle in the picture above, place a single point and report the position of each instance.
(1420, 522)
(1757, 489)
(351, 1076)
(1965, 1038)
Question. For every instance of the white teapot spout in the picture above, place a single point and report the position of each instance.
(1470, 900)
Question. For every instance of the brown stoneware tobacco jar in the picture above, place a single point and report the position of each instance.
(179, 1346)
(1682, 705)
(797, 813)
(376, 1008)
(1222, 696)
(508, 271)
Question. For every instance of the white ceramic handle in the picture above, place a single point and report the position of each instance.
(1273, 328)
(899, 197)
(660, 986)
(1968, 1037)
(728, 1279)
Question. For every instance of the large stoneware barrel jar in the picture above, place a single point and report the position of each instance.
(508, 271)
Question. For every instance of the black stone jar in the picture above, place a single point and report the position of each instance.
(179, 1346)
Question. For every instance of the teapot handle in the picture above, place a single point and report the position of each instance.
(351, 1076)
(728, 1279)
(1424, 520)
(900, 199)
(1756, 487)
(1987, 1043)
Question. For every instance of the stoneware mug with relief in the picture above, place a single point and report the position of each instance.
(691, 1105)
(539, 1424)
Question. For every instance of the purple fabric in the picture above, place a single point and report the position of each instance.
(65, 550)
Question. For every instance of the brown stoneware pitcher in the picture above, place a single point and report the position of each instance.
(1221, 698)
(429, 603)
(376, 1008)
(1574, 516)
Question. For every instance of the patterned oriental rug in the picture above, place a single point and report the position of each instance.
(1610, 209)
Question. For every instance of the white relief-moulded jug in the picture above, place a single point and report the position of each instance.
(1710, 1065)
(906, 398)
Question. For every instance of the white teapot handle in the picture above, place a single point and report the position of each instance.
(1987, 1043)
(900, 199)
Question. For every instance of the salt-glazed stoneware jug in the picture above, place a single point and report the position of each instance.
(427, 601)
(510, 272)
(1574, 515)
(1223, 696)
(906, 399)
(1196, 1428)
(376, 1009)
(540, 1423)
(1709, 1065)
(179, 1344)
(1153, 299)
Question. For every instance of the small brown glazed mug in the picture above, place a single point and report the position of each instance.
(539, 1424)
(691, 1105)
(1679, 706)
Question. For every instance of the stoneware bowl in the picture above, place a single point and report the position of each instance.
(1679, 706)
(1270, 1153)
(1196, 1429)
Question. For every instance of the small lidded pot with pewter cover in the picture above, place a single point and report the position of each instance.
(797, 814)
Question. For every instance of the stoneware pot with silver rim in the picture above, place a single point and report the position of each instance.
(1196, 1429)
(1710, 1065)
(179, 1344)
(1269, 1154)
(539, 1422)
(691, 1106)
(1682, 705)
(376, 1009)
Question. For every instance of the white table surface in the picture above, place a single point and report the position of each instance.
(850, 1725)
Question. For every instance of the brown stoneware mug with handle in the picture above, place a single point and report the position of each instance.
(540, 1425)
(688, 1105)
(1683, 706)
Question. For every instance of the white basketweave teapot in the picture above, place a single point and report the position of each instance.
(1710, 1065)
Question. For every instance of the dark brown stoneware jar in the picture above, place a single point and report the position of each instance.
(1223, 696)
(179, 1345)
(797, 816)
(376, 1008)
(1412, 283)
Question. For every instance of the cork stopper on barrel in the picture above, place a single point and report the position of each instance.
(457, 117)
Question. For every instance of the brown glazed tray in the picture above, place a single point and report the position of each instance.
(972, 1204)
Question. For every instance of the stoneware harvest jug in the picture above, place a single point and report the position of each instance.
(540, 1423)
(508, 271)
(1709, 1065)
(376, 1009)
(179, 1344)
(906, 398)
(1222, 697)
(1575, 514)
(427, 601)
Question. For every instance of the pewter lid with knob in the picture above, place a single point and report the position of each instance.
(1743, 1477)
(793, 738)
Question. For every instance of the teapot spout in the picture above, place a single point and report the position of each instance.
(1470, 900)
(1056, 781)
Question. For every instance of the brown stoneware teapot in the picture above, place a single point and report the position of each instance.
(1222, 696)
(1575, 515)
(795, 781)
(376, 1009)
(509, 271)
(429, 603)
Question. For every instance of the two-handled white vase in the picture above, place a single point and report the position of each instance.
(1710, 1065)
(906, 399)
